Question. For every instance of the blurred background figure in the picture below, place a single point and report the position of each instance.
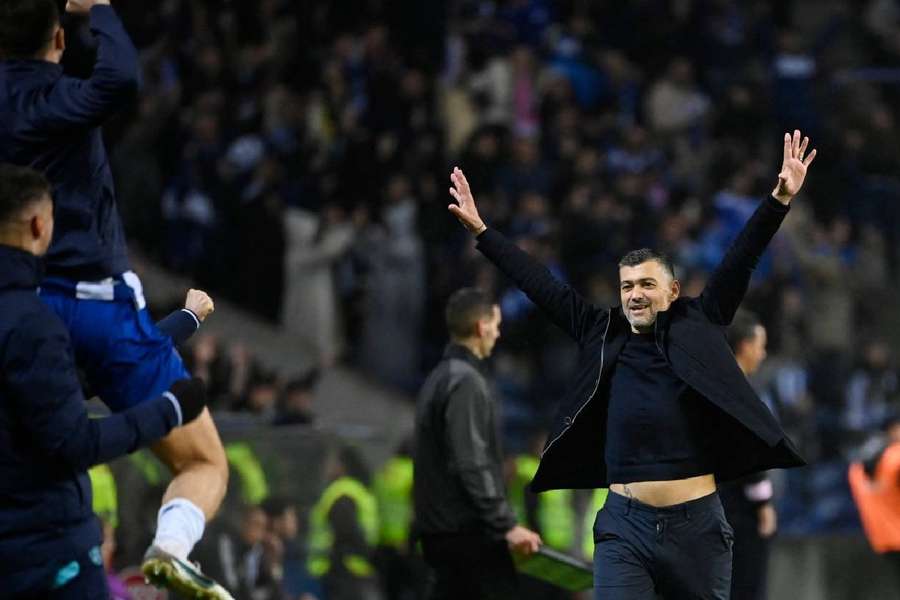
(749, 502)
(876, 489)
(343, 531)
(247, 557)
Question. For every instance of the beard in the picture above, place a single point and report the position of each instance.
(643, 320)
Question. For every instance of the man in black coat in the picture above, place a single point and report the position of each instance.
(49, 536)
(658, 410)
(465, 522)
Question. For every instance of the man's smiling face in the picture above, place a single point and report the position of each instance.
(645, 290)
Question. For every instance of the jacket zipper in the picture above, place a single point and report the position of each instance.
(591, 397)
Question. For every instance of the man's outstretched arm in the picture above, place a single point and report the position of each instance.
(565, 307)
(728, 284)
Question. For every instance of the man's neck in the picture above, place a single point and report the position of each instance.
(14, 241)
(471, 345)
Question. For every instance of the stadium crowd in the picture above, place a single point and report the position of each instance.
(294, 154)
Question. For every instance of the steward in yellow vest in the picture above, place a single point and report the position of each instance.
(343, 532)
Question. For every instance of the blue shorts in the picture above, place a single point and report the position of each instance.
(124, 356)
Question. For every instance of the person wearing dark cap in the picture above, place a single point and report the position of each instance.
(49, 537)
(462, 515)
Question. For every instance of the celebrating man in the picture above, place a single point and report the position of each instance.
(658, 410)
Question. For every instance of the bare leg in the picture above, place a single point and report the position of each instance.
(196, 458)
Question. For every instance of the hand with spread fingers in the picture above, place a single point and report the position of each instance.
(465, 209)
(83, 7)
(793, 167)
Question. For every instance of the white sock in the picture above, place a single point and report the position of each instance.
(179, 526)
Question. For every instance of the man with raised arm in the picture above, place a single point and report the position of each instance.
(52, 123)
(658, 409)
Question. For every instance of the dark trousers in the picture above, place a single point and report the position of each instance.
(680, 552)
(751, 560)
(89, 584)
(471, 567)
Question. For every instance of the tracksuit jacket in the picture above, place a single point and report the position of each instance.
(52, 123)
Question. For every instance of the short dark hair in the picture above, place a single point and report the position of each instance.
(19, 187)
(26, 26)
(742, 328)
(637, 257)
(275, 506)
(464, 308)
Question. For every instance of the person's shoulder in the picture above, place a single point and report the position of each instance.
(25, 316)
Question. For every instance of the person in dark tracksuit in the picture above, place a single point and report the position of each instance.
(49, 536)
(52, 122)
(748, 500)
(658, 410)
(462, 516)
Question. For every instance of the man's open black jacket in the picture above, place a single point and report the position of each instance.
(691, 335)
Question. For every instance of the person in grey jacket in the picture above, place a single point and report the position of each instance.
(465, 522)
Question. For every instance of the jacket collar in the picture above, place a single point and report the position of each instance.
(19, 269)
(454, 350)
(39, 69)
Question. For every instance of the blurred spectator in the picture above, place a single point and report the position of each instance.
(309, 311)
(296, 404)
(343, 531)
(872, 390)
(246, 559)
(876, 489)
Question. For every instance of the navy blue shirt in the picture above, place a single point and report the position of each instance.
(658, 428)
(47, 441)
(52, 123)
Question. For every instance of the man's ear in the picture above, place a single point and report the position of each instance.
(479, 328)
(676, 289)
(36, 226)
(59, 39)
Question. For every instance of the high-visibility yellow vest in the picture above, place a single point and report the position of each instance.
(393, 489)
(149, 467)
(104, 493)
(321, 536)
(254, 487)
(555, 513)
(598, 499)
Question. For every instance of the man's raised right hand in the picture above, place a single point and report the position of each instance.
(83, 7)
(522, 540)
(465, 209)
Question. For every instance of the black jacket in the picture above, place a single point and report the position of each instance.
(47, 441)
(52, 122)
(691, 334)
(458, 482)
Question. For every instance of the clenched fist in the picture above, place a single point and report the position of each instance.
(199, 303)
